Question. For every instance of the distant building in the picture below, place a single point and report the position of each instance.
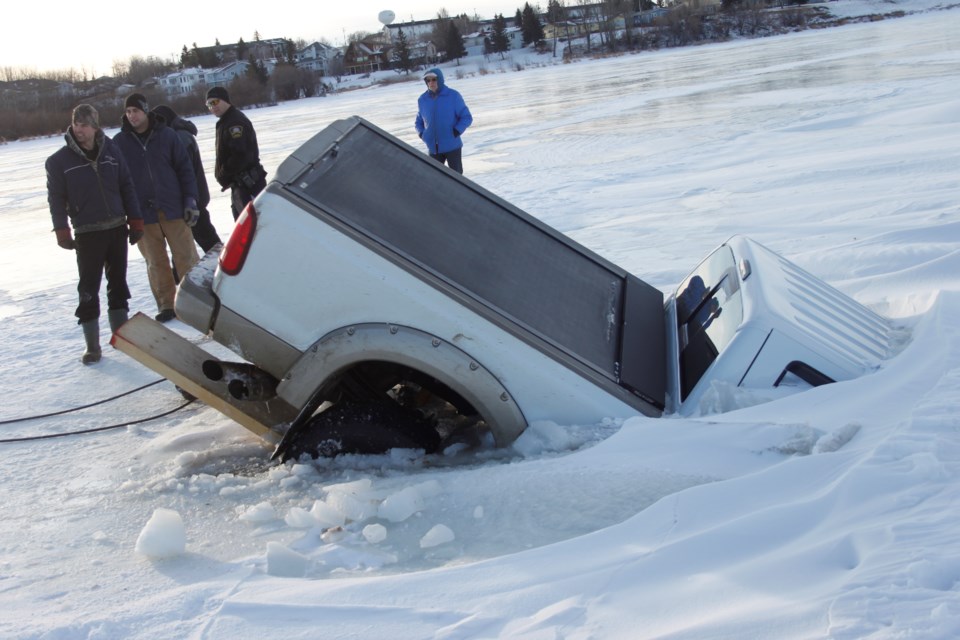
(366, 56)
(414, 30)
(223, 76)
(646, 18)
(187, 81)
(259, 49)
(319, 58)
(475, 43)
(182, 82)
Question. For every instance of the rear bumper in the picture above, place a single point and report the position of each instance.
(196, 304)
(199, 306)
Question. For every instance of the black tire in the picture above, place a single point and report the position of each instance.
(357, 427)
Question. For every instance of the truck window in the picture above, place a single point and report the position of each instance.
(709, 312)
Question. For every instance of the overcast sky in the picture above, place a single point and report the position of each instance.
(91, 37)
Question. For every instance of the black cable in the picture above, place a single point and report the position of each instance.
(113, 426)
(86, 406)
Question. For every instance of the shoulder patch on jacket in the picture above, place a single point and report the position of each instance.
(236, 131)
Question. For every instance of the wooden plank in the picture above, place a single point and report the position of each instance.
(180, 361)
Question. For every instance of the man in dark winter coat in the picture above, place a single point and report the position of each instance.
(89, 185)
(238, 154)
(203, 232)
(167, 190)
(442, 117)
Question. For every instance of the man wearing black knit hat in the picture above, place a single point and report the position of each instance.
(167, 190)
(203, 232)
(238, 154)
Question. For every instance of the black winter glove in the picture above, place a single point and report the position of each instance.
(135, 230)
(190, 216)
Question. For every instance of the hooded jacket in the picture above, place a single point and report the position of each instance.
(187, 132)
(92, 195)
(442, 117)
(161, 169)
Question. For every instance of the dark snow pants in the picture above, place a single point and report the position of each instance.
(100, 252)
(203, 232)
(454, 159)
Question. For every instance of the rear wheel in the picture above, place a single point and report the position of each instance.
(374, 363)
(364, 427)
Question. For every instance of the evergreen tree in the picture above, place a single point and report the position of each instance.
(241, 49)
(499, 43)
(518, 20)
(455, 48)
(531, 28)
(555, 12)
(401, 53)
(187, 58)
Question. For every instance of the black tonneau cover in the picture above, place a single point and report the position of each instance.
(499, 261)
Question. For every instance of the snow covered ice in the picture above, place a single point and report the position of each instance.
(825, 514)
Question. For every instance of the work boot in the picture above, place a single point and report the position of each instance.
(165, 316)
(91, 334)
(117, 317)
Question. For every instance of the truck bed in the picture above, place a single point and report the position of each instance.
(495, 259)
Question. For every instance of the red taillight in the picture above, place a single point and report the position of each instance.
(237, 247)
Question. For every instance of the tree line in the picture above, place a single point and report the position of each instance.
(40, 104)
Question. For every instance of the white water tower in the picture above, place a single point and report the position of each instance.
(386, 17)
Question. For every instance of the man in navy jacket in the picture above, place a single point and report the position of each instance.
(442, 117)
(89, 186)
(203, 232)
(167, 189)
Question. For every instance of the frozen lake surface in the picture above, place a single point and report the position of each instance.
(825, 514)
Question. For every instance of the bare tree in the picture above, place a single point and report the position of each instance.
(588, 19)
(285, 82)
(141, 68)
(556, 14)
(247, 90)
(120, 69)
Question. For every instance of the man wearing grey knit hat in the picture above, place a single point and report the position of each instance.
(89, 187)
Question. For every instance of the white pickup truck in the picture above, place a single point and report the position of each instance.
(380, 300)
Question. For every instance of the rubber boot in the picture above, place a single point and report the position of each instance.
(117, 317)
(91, 333)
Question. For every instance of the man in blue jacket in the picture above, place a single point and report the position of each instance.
(167, 189)
(89, 186)
(442, 118)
